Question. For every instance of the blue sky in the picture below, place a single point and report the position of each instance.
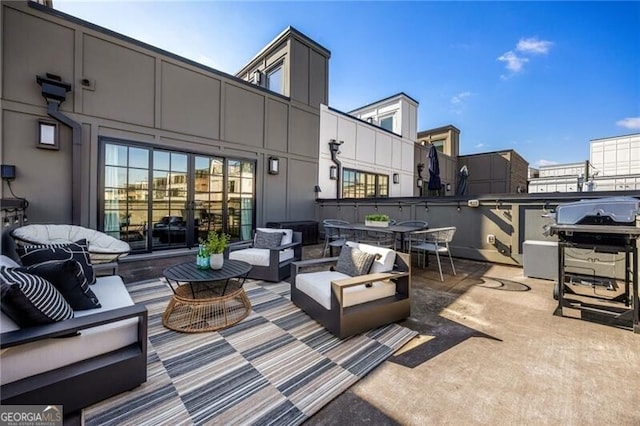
(543, 78)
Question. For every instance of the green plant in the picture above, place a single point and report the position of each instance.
(377, 217)
(215, 243)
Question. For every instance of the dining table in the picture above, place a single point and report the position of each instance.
(397, 230)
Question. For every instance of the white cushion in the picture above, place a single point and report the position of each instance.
(45, 355)
(384, 263)
(287, 238)
(259, 257)
(8, 262)
(103, 248)
(317, 285)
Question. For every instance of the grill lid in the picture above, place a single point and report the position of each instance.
(600, 211)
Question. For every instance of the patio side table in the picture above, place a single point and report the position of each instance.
(201, 301)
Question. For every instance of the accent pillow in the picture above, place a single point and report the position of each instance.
(268, 240)
(68, 278)
(34, 254)
(354, 262)
(31, 300)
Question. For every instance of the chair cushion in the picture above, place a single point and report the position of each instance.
(7, 261)
(33, 358)
(30, 300)
(259, 257)
(354, 262)
(317, 285)
(267, 240)
(286, 239)
(103, 248)
(386, 260)
(33, 254)
(68, 278)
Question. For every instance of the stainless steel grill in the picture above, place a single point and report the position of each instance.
(606, 225)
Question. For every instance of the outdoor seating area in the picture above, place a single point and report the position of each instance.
(478, 307)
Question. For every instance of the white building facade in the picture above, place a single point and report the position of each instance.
(614, 165)
(375, 150)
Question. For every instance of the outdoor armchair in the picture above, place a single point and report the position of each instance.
(347, 305)
(269, 257)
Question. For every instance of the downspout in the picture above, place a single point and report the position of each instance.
(334, 148)
(54, 91)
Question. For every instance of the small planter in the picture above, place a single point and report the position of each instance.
(216, 261)
(377, 223)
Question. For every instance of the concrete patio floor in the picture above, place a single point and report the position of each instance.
(490, 351)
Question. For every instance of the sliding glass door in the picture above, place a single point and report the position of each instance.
(155, 198)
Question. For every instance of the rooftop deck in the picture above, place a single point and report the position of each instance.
(490, 351)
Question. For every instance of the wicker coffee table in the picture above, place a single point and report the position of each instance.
(206, 300)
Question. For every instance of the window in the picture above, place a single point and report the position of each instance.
(358, 184)
(156, 198)
(274, 79)
(387, 123)
(439, 144)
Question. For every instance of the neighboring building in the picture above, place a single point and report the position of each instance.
(614, 165)
(373, 161)
(446, 139)
(498, 172)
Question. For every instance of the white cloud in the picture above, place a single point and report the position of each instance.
(629, 122)
(514, 63)
(460, 97)
(534, 46)
(480, 145)
(540, 163)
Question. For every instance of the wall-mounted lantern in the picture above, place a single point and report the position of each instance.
(333, 173)
(396, 178)
(274, 165)
(48, 134)
(448, 187)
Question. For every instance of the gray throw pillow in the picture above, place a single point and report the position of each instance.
(355, 262)
(268, 240)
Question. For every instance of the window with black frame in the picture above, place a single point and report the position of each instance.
(360, 184)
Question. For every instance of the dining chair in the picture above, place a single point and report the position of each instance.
(377, 238)
(435, 241)
(334, 236)
(423, 224)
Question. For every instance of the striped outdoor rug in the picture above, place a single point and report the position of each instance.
(277, 366)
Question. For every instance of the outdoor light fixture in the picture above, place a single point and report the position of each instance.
(396, 178)
(333, 173)
(8, 172)
(317, 189)
(48, 131)
(419, 183)
(274, 165)
(448, 187)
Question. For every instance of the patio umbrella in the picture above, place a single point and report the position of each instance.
(434, 170)
(463, 174)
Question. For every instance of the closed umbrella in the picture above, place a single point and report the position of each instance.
(463, 174)
(434, 170)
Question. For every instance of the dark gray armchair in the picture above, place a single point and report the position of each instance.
(268, 264)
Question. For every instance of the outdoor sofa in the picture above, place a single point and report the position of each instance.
(78, 361)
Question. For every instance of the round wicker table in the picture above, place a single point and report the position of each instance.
(206, 300)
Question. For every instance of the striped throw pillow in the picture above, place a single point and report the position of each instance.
(31, 300)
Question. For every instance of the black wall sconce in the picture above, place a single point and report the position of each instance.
(396, 178)
(333, 173)
(448, 187)
(274, 165)
(48, 134)
(420, 182)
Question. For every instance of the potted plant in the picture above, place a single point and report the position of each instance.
(213, 248)
(376, 219)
